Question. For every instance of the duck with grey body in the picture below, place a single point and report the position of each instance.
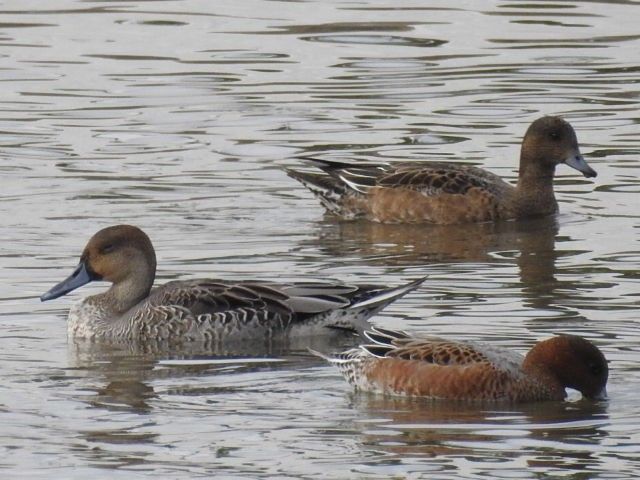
(203, 309)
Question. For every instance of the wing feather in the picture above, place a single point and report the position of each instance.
(429, 178)
(436, 351)
(298, 300)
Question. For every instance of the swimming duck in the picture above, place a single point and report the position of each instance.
(449, 193)
(204, 309)
(398, 364)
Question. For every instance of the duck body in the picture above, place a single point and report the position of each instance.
(215, 311)
(446, 192)
(203, 309)
(397, 364)
(417, 192)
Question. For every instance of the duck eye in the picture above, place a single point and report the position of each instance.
(107, 248)
(595, 368)
(554, 135)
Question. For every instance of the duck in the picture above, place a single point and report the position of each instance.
(203, 309)
(398, 364)
(448, 193)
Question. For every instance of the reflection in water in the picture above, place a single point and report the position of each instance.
(127, 370)
(407, 245)
(113, 441)
(405, 427)
(528, 245)
(177, 116)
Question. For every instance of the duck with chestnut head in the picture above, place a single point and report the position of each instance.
(395, 363)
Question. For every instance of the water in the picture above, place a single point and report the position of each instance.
(179, 117)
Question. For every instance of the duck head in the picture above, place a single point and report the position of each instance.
(120, 254)
(573, 362)
(550, 141)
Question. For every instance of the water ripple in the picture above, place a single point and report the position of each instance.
(179, 118)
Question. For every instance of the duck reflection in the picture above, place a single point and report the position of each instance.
(121, 375)
(530, 245)
(405, 245)
(418, 427)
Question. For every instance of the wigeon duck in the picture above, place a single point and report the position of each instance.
(203, 310)
(398, 364)
(449, 193)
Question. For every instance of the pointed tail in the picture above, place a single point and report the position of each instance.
(368, 304)
(329, 190)
(341, 187)
(381, 298)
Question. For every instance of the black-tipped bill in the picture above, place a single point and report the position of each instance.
(79, 277)
(578, 162)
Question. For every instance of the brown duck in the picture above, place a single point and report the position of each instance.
(449, 193)
(395, 363)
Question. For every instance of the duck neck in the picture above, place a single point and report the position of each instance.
(540, 363)
(535, 187)
(126, 293)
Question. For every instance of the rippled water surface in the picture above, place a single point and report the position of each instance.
(179, 116)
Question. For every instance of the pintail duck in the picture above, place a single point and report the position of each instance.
(202, 310)
(398, 364)
(449, 193)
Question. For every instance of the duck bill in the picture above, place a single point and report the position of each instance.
(78, 278)
(578, 162)
(601, 395)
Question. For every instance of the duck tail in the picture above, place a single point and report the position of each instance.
(330, 166)
(328, 189)
(336, 188)
(348, 363)
(370, 302)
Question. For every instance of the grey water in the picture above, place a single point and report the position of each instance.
(179, 117)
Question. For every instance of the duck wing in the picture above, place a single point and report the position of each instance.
(428, 178)
(214, 308)
(435, 178)
(209, 296)
(437, 351)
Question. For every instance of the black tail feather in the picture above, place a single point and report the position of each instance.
(376, 350)
(317, 182)
(331, 165)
